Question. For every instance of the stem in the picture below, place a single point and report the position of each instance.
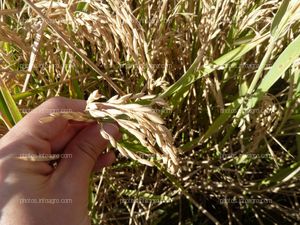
(262, 65)
(257, 76)
(186, 194)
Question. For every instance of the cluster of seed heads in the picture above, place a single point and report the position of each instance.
(141, 121)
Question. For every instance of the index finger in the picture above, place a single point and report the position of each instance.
(30, 124)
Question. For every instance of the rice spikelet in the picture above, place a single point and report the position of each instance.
(139, 120)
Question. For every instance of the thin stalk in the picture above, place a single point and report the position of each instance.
(186, 194)
(257, 75)
(262, 65)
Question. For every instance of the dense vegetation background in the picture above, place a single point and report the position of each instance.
(229, 71)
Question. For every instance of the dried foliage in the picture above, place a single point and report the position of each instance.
(228, 155)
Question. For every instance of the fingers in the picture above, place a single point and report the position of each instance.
(85, 148)
(104, 160)
(48, 131)
(59, 142)
(29, 129)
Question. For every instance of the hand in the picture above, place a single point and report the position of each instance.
(36, 193)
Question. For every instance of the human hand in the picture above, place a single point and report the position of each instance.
(40, 183)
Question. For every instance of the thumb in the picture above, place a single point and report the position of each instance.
(85, 148)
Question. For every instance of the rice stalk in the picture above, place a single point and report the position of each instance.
(201, 56)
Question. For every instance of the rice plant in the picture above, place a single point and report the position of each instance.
(206, 94)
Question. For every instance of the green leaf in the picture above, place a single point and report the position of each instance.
(191, 75)
(298, 146)
(134, 147)
(282, 175)
(284, 61)
(74, 88)
(4, 113)
(214, 128)
(28, 93)
(221, 120)
(278, 19)
(141, 195)
(144, 196)
(9, 103)
(82, 6)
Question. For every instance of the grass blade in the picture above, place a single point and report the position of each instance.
(9, 102)
(284, 61)
(191, 75)
(278, 19)
(283, 175)
(222, 119)
(4, 113)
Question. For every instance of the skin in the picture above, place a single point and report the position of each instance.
(20, 179)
